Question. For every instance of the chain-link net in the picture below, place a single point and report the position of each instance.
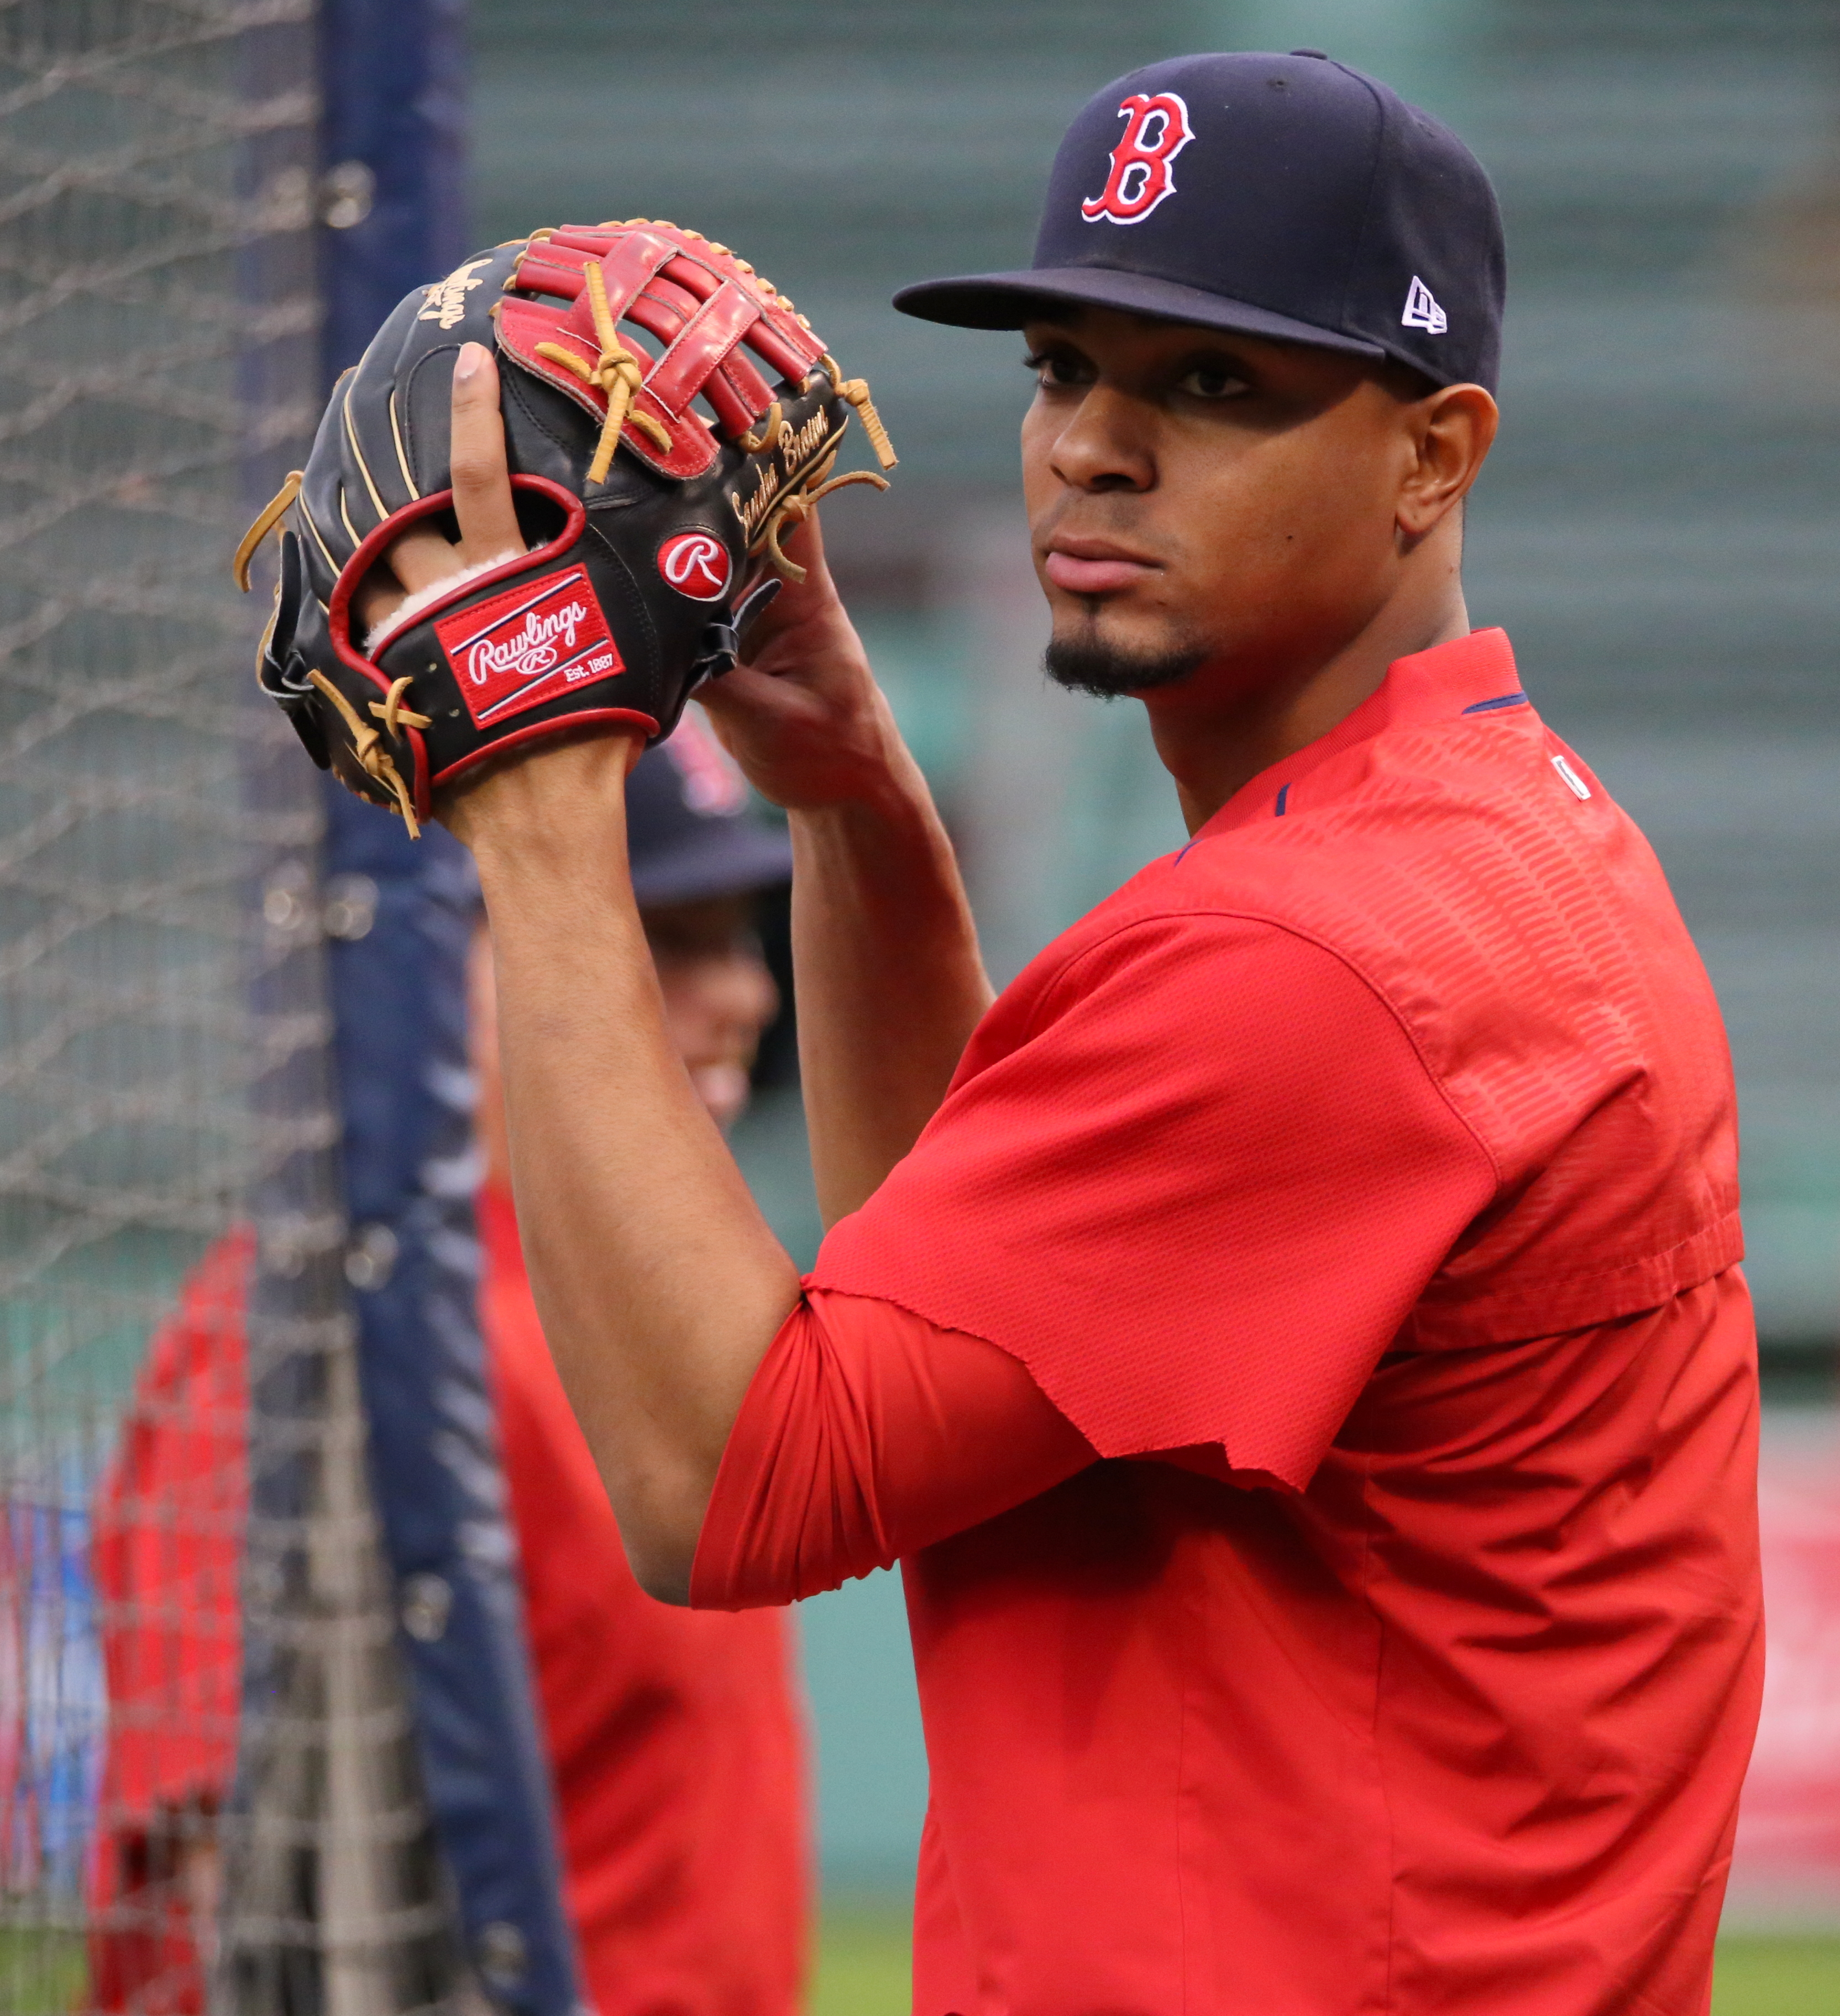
(207, 1790)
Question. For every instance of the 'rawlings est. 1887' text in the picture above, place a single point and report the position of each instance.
(526, 647)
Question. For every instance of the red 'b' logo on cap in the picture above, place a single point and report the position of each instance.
(1156, 131)
(696, 564)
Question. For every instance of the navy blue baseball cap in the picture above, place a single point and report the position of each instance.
(691, 831)
(1285, 196)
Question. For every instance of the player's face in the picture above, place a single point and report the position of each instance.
(1213, 509)
(718, 994)
(719, 999)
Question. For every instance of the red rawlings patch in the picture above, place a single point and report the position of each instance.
(522, 648)
(696, 564)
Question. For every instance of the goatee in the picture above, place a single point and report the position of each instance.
(1084, 664)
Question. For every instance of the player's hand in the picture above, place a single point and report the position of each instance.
(802, 714)
(423, 558)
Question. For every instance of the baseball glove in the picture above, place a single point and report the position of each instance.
(645, 484)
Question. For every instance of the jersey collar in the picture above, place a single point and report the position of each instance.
(1472, 674)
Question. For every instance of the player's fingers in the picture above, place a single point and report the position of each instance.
(421, 557)
(798, 603)
(380, 596)
(482, 484)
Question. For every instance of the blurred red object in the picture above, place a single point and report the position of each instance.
(166, 1553)
(674, 1737)
(1787, 1858)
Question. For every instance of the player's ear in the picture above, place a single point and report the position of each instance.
(1452, 430)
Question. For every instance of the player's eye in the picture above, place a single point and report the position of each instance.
(1212, 381)
(1058, 368)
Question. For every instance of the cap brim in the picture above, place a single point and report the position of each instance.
(729, 858)
(1008, 301)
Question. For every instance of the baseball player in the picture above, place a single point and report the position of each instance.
(1293, 1338)
(673, 1738)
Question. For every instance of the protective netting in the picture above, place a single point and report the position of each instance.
(207, 1788)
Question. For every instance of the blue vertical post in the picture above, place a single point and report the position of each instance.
(393, 76)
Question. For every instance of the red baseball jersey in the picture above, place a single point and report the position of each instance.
(1360, 1183)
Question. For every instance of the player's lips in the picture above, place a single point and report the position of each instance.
(1094, 567)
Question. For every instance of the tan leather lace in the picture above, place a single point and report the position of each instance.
(796, 506)
(391, 712)
(764, 435)
(266, 520)
(616, 372)
(366, 744)
(856, 391)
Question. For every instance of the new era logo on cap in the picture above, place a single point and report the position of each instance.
(1422, 311)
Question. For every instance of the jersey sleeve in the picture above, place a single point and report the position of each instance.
(1197, 1198)
(866, 1435)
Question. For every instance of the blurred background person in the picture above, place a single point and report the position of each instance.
(166, 1551)
(675, 1739)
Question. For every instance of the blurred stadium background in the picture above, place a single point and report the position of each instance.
(1659, 532)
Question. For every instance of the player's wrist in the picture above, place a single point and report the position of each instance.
(880, 805)
(863, 766)
(563, 801)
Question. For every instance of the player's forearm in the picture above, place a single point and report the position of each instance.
(889, 980)
(659, 1284)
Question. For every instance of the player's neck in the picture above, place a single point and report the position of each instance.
(1213, 740)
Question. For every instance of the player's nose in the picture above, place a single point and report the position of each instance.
(1104, 443)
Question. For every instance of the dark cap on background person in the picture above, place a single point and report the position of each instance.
(691, 831)
(1283, 196)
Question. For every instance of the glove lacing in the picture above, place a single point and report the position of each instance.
(856, 391)
(617, 373)
(366, 744)
(266, 520)
(797, 505)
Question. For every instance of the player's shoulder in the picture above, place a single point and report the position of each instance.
(1473, 871)
(1494, 824)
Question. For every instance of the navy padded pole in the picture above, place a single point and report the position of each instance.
(401, 913)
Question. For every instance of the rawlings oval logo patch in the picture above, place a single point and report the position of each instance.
(697, 564)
